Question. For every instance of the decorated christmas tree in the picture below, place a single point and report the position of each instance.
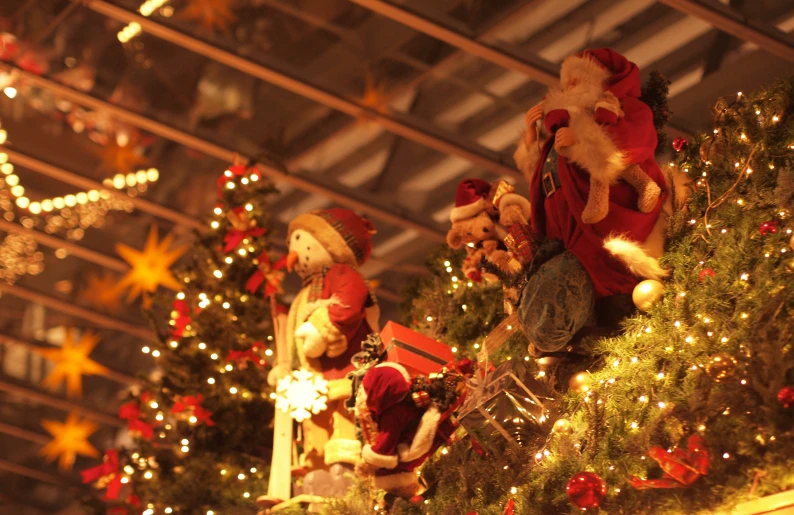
(202, 419)
(686, 407)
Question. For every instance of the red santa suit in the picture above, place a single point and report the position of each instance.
(399, 435)
(606, 141)
(338, 303)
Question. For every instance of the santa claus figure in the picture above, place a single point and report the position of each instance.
(329, 318)
(595, 186)
(400, 432)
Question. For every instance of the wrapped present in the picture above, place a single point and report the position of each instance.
(509, 407)
(518, 241)
(416, 352)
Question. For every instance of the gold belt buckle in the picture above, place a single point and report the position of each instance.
(548, 184)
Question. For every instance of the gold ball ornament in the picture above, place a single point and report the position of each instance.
(580, 382)
(562, 427)
(721, 366)
(647, 293)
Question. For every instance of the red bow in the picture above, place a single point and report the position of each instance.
(109, 467)
(681, 468)
(131, 412)
(192, 404)
(270, 274)
(240, 356)
(242, 228)
(229, 174)
(181, 320)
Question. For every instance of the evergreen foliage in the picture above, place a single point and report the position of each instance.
(190, 466)
(657, 382)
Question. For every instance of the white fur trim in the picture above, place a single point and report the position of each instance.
(379, 460)
(397, 480)
(398, 367)
(586, 69)
(526, 158)
(611, 103)
(423, 439)
(469, 210)
(582, 96)
(593, 149)
(635, 257)
(514, 199)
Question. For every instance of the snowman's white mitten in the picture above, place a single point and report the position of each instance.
(336, 342)
(277, 373)
(314, 344)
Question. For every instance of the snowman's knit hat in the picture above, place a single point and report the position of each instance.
(344, 234)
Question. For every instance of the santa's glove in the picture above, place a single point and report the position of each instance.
(314, 344)
(278, 373)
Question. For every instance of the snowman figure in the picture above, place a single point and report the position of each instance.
(329, 318)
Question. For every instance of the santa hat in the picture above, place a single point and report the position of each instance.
(344, 234)
(385, 385)
(603, 67)
(471, 199)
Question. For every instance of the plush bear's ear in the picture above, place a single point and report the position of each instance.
(454, 239)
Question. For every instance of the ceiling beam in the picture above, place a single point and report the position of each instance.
(540, 70)
(767, 37)
(20, 159)
(73, 249)
(60, 403)
(390, 216)
(68, 308)
(24, 434)
(21, 470)
(444, 142)
(35, 345)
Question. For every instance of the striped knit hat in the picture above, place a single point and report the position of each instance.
(344, 234)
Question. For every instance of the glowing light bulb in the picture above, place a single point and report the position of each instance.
(232, 390)
(218, 274)
(156, 353)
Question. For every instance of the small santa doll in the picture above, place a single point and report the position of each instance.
(400, 433)
(595, 131)
(329, 318)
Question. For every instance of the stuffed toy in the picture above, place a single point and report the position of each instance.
(599, 131)
(480, 219)
(400, 431)
(329, 318)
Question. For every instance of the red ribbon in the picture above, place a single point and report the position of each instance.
(270, 274)
(191, 402)
(510, 507)
(240, 356)
(132, 506)
(236, 171)
(109, 467)
(182, 320)
(131, 412)
(681, 468)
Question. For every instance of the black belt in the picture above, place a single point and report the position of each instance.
(549, 177)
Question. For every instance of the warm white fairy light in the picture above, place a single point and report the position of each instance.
(156, 353)
(146, 350)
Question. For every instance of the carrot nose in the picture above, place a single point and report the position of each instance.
(292, 258)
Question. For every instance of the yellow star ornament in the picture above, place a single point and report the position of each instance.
(211, 14)
(71, 363)
(151, 267)
(101, 292)
(69, 439)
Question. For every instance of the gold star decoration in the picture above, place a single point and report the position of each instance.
(122, 158)
(69, 439)
(101, 292)
(211, 14)
(71, 363)
(151, 267)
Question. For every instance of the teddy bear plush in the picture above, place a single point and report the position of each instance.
(480, 220)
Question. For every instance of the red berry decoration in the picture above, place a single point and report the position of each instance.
(680, 144)
(706, 272)
(417, 499)
(586, 490)
(768, 227)
(786, 396)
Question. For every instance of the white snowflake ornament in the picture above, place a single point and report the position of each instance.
(302, 394)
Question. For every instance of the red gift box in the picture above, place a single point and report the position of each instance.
(416, 352)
